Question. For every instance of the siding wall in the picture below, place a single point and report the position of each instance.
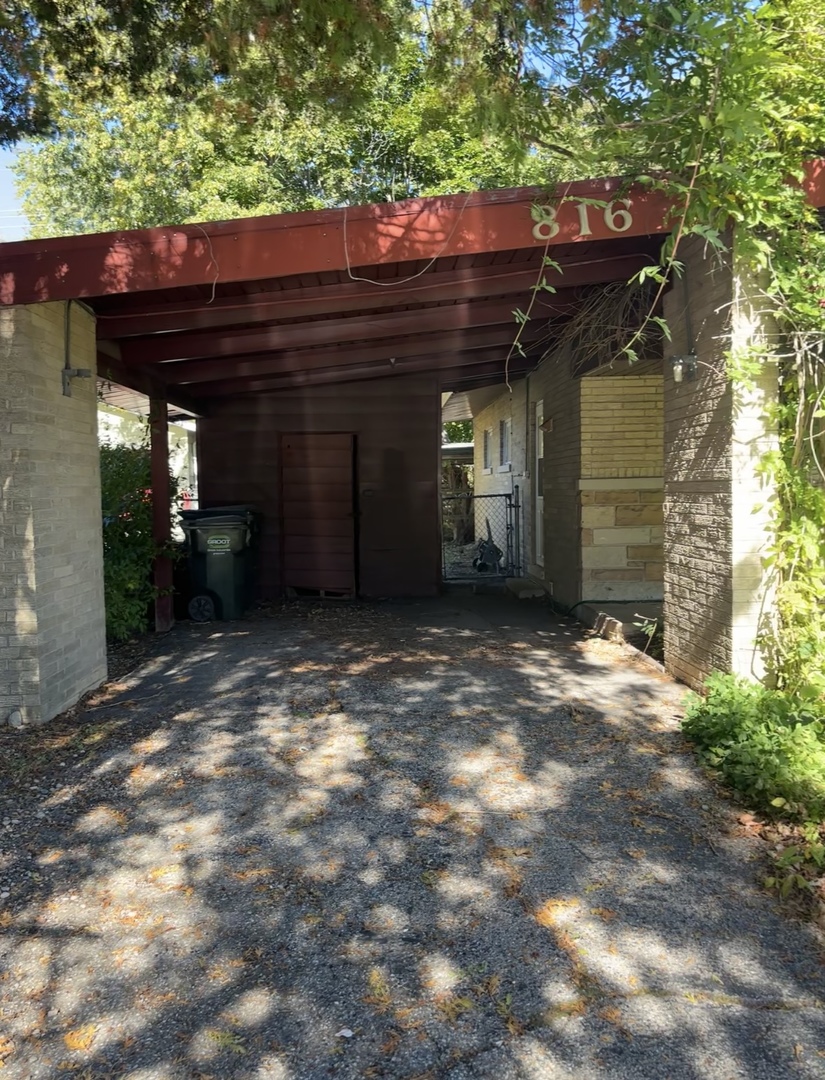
(396, 423)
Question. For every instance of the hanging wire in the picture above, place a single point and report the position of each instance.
(412, 277)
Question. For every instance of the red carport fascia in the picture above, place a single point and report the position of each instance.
(249, 249)
(33, 271)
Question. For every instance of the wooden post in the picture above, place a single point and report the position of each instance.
(161, 510)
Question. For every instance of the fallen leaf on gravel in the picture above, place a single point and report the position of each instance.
(511, 853)
(227, 1040)
(489, 986)
(162, 871)
(611, 1014)
(549, 910)
(606, 914)
(577, 1007)
(253, 874)
(6, 1049)
(80, 1038)
(379, 995)
(454, 1007)
(392, 1043)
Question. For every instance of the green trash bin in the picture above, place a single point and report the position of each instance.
(220, 565)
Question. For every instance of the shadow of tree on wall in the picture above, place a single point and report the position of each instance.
(476, 850)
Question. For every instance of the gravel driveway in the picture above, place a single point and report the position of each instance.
(429, 840)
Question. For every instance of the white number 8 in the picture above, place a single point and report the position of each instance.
(548, 227)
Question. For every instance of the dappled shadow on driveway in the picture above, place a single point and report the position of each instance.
(418, 841)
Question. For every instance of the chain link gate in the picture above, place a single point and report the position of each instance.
(480, 536)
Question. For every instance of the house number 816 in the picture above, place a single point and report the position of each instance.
(616, 217)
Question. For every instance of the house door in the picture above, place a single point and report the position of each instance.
(318, 520)
(538, 485)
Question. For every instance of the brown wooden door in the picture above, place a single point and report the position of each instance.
(317, 500)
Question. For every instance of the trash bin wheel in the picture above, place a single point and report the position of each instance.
(202, 608)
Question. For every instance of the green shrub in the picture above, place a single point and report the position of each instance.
(128, 544)
(768, 745)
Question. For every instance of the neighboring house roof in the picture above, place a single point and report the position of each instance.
(462, 453)
(199, 312)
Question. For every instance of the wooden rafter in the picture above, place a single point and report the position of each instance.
(451, 317)
(436, 287)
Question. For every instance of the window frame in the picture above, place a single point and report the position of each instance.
(505, 444)
(487, 450)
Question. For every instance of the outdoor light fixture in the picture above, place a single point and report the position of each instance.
(684, 367)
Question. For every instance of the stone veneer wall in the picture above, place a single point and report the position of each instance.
(52, 622)
(622, 540)
(621, 534)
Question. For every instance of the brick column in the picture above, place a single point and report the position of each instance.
(714, 586)
(753, 434)
(52, 624)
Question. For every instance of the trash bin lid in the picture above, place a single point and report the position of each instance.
(248, 513)
(227, 521)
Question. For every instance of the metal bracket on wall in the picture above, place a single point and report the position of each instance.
(70, 373)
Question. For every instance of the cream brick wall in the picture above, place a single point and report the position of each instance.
(753, 435)
(52, 625)
(622, 442)
(622, 420)
(509, 405)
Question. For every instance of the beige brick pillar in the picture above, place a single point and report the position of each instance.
(714, 538)
(753, 331)
(52, 625)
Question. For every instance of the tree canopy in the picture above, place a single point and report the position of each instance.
(325, 50)
(133, 160)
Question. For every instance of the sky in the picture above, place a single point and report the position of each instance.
(13, 223)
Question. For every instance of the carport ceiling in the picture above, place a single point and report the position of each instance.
(202, 312)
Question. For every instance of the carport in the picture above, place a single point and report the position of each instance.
(314, 349)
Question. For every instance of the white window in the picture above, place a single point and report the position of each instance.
(488, 448)
(504, 434)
